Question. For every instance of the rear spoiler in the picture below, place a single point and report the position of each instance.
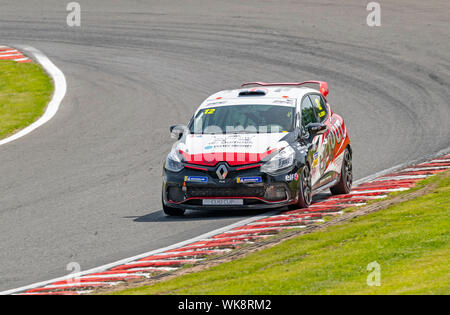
(323, 86)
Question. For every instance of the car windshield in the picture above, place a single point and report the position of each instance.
(243, 119)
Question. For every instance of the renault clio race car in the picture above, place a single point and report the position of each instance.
(265, 145)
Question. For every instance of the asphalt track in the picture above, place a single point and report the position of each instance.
(86, 186)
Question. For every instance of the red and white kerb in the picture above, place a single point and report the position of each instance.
(8, 53)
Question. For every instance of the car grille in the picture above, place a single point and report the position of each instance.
(193, 192)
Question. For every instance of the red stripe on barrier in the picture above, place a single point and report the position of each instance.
(343, 201)
(292, 217)
(64, 288)
(413, 173)
(208, 242)
(99, 279)
(280, 224)
(211, 245)
(259, 231)
(245, 238)
(171, 263)
(12, 57)
(198, 254)
(333, 208)
(124, 271)
(53, 293)
(8, 53)
(386, 184)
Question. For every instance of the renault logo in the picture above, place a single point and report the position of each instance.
(222, 171)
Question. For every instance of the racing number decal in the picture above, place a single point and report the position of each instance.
(319, 106)
(338, 130)
(210, 111)
(335, 136)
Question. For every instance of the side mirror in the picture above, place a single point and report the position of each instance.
(177, 131)
(315, 129)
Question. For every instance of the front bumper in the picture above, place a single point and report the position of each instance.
(264, 192)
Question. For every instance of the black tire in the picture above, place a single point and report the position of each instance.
(305, 190)
(173, 212)
(344, 186)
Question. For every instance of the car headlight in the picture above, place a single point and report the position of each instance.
(282, 160)
(173, 162)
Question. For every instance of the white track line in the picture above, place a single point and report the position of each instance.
(11, 55)
(5, 52)
(438, 161)
(21, 59)
(357, 197)
(421, 169)
(359, 192)
(58, 95)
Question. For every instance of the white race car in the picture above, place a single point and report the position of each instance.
(265, 146)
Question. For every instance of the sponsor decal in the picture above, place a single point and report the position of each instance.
(321, 111)
(196, 179)
(252, 179)
(316, 159)
(315, 162)
(292, 177)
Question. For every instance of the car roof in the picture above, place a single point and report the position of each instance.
(271, 95)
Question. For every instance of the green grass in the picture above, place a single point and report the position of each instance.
(410, 241)
(25, 90)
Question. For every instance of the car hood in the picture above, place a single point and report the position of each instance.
(235, 149)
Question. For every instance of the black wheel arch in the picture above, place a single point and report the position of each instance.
(349, 147)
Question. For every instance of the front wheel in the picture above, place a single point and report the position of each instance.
(173, 212)
(345, 182)
(305, 189)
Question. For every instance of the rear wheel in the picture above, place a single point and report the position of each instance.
(345, 182)
(305, 189)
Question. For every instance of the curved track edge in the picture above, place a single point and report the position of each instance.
(59, 92)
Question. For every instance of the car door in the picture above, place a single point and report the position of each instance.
(308, 115)
(327, 143)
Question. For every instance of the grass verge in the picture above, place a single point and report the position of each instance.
(25, 90)
(410, 241)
